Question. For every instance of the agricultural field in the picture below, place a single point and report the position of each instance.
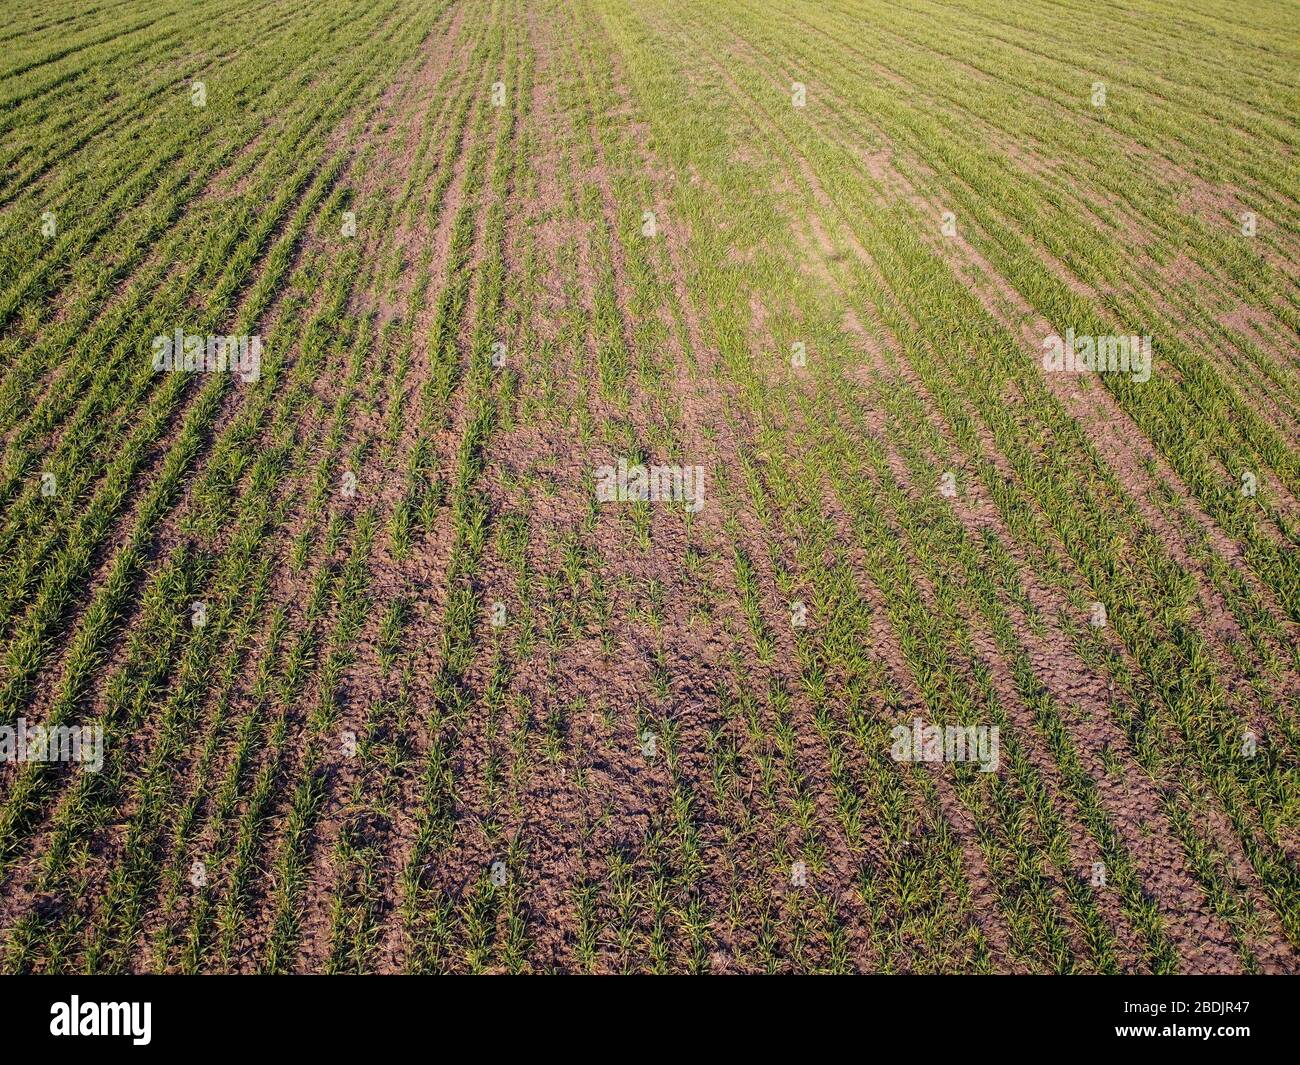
(650, 486)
